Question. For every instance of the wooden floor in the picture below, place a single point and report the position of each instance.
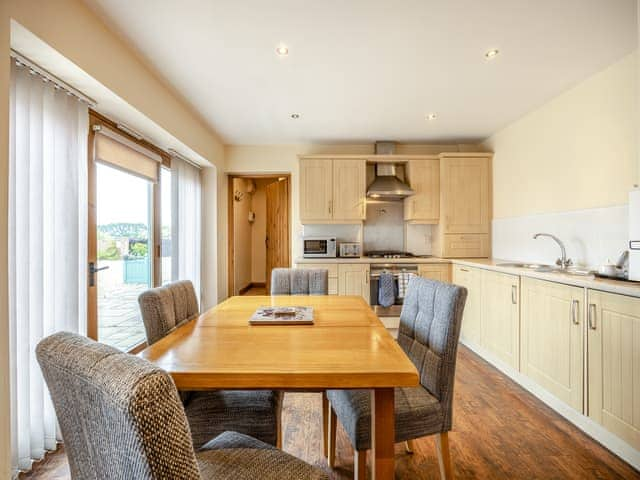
(500, 431)
(253, 291)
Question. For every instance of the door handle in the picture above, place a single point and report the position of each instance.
(514, 294)
(574, 312)
(92, 273)
(592, 316)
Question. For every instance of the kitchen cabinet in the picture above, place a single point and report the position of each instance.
(613, 337)
(465, 206)
(332, 191)
(551, 346)
(332, 269)
(500, 316)
(435, 271)
(471, 279)
(423, 176)
(353, 279)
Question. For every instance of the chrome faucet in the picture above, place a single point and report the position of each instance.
(563, 261)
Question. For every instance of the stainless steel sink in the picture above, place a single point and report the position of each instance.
(530, 266)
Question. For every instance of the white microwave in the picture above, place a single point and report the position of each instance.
(319, 247)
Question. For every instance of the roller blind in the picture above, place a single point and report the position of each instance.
(118, 151)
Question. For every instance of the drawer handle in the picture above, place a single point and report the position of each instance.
(464, 270)
(574, 312)
(514, 294)
(592, 316)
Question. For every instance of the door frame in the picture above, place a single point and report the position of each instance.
(96, 118)
(230, 221)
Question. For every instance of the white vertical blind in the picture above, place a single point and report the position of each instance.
(186, 219)
(47, 246)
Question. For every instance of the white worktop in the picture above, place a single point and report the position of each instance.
(368, 260)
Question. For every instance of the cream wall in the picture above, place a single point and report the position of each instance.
(242, 239)
(259, 231)
(578, 151)
(74, 31)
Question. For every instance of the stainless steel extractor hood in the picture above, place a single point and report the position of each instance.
(387, 186)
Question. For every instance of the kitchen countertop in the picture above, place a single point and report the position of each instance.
(412, 260)
(603, 284)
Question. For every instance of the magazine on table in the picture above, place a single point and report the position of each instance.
(270, 315)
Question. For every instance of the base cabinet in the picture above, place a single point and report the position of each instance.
(500, 316)
(552, 347)
(613, 337)
(471, 279)
(434, 271)
(353, 279)
(332, 270)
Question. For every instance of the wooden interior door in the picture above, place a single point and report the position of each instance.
(277, 240)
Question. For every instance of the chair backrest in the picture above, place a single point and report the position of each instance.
(165, 308)
(299, 281)
(120, 416)
(429, 331)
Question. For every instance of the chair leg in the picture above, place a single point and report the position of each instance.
(325, 425)
(409, 446)
(444, 456)
(332, 425)
(360, 465)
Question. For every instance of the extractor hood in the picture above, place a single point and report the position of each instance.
(387, 186)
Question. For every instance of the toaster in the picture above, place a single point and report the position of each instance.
(350, 249)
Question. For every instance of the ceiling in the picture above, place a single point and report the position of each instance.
(366, 70)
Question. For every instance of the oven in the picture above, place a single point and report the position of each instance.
(396, 269)
(319, 247)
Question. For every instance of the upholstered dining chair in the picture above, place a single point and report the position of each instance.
(121, 417)
(429, 331)
(251, 412)
(299, 281)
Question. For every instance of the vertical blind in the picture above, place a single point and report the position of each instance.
(47, 246)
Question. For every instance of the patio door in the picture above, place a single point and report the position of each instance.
(124, 240)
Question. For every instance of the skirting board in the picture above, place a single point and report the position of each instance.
(610, 441)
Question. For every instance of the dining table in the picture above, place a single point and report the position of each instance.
(346, 347)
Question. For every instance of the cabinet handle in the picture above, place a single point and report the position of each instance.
(514, 294)
(464, 270)
(592, 316)
(366, 277)
(574, 312)
(329, 207)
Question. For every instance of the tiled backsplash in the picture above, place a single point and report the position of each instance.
(591, 236)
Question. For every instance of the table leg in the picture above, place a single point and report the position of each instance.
(382, 434)
(325, 424)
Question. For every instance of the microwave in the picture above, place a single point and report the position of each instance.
(319, 247)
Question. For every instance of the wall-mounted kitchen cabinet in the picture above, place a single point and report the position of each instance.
(465, 206)
(332, 190)
(353, 279)
(614, 363)
(435, 271)
(423, 176)
(551, 343)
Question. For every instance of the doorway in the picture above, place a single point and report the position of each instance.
(259, 231)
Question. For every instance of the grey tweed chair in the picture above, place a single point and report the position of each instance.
(429, 331)
(251, 412)
(299, 281)
(121, 418)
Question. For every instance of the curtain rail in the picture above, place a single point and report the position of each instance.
(49, 77)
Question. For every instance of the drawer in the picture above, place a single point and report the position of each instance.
(331, 267)
(467, 245)
(440, 272)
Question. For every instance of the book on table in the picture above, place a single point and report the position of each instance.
(270, 315)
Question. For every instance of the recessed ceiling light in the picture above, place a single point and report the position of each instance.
(492, 53)
(432, 116)
(295, 116)
(282, 50)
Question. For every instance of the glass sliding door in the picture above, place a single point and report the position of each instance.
(166, 225)
(124, 267)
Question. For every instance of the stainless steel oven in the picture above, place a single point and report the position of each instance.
(396, 269)
(319, 247)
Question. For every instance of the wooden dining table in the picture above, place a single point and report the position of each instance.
(347, 347)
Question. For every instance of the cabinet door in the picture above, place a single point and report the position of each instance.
(471, 279)
(440, 272)
(465, 195)
(552, 338)
(614, 364)
(424, 178)
(316, 187)
(349, 189)
(353, 279)
(500, 317)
